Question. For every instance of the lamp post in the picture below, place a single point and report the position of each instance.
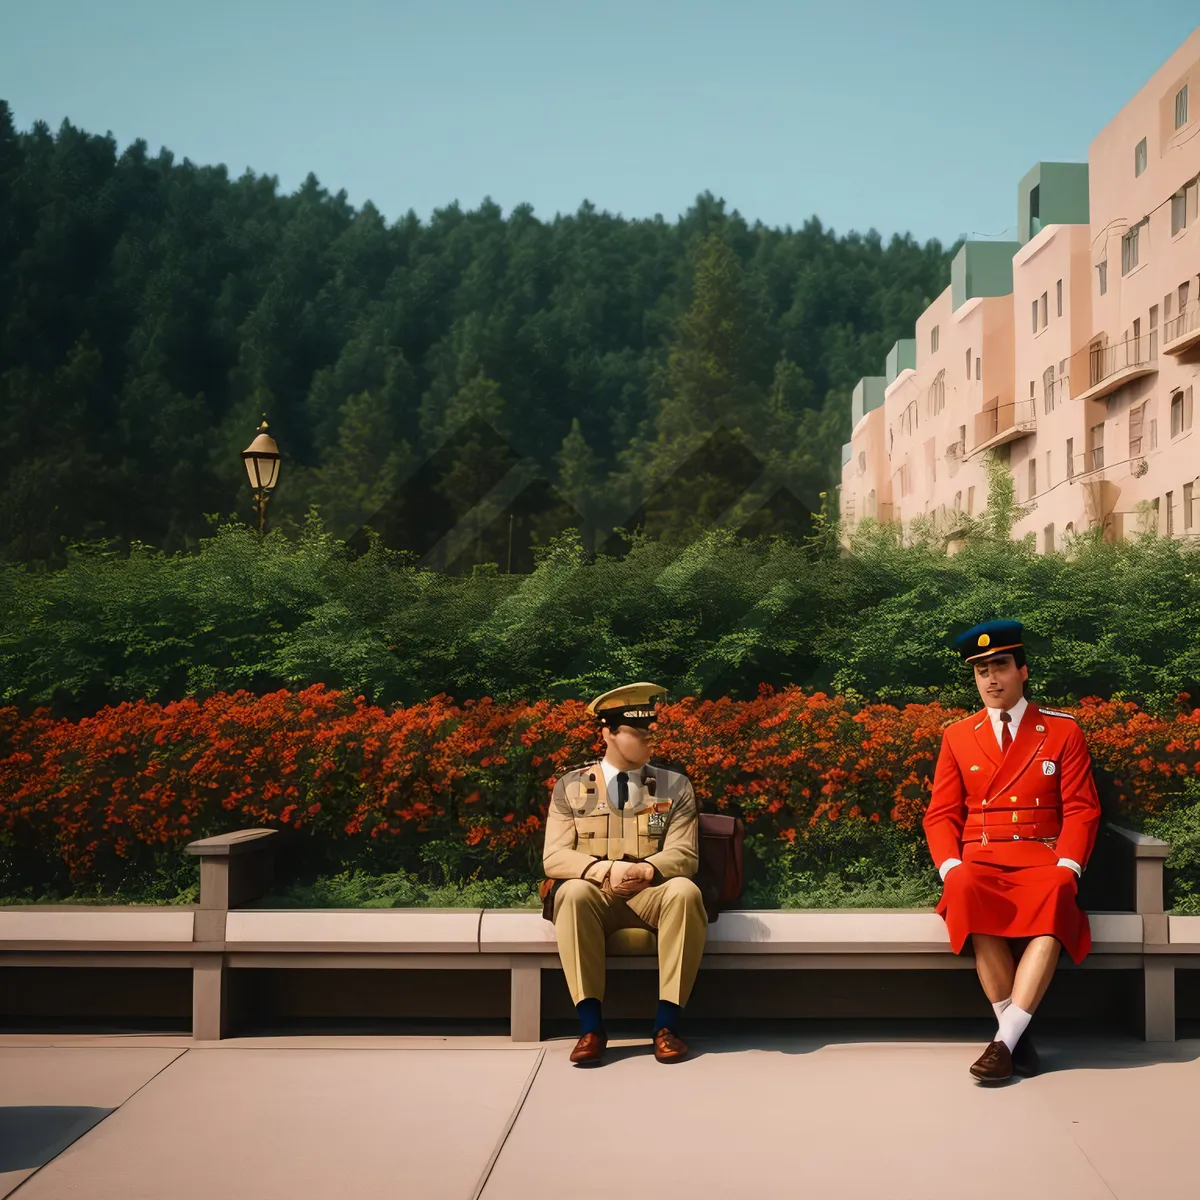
(262, 465)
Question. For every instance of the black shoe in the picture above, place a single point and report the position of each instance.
(1025, 1059)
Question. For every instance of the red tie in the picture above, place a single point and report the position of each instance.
(1005, 733)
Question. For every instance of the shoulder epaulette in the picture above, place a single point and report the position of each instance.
(579, 766)
(1053, 712)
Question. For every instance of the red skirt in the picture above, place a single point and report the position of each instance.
(1014, 890)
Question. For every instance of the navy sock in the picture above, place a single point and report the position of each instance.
(667, 1016)
(590, 1015)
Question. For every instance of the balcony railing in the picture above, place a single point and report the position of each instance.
(1183, 332)
(1087, 463)
(1000, 423)
(1110, 367)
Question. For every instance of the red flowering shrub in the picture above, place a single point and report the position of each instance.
(97, 793)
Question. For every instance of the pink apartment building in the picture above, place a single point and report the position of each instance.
(1071, 355)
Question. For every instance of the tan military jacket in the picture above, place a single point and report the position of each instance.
(657, 826)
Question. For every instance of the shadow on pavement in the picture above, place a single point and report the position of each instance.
(31, 1135)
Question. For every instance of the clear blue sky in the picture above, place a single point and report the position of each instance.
(857, 112)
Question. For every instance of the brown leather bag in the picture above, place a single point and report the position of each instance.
(719, 876)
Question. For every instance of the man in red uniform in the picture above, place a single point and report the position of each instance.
(1010, 826)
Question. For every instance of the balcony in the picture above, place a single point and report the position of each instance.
(1110, 367)
(1087, 466)
(1183, 333)
(1000, 423)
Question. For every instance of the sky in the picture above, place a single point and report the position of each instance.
(921, 123)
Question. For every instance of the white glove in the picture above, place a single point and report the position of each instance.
(948, 866)
(1070, 862)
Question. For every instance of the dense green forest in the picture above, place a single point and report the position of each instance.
(468, 387)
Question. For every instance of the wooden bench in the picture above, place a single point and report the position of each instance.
(220, 935)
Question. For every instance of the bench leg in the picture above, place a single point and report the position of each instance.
(209, 999)
(526, 1003)
(1160, 1001)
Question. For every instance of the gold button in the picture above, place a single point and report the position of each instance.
(1013, 799)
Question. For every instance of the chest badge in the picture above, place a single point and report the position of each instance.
(974, 768)
(1048, 768)
(1040, 728)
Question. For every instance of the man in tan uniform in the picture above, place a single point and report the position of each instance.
(622, 845)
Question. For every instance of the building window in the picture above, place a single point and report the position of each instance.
(1184, 289)
(1048, 390)
(1102, 271)
(1181, 107)
(1045, 310)
(1049, 544)
(958, 501)
(1129, 250)
(1187, 507)
(1032, 478)
(978, 367)
(1168, 300)
(1070, 528)
(970, 501)
(1137, 425)
(1170, 514)
(862, 462)
(1139, 158)
(933, 340)
(1035, 316)
(936, 397)
(968, 362)
(1070, 458)
(1096, 457)
(1181, 412)
(1059, 286)
(1178, 212)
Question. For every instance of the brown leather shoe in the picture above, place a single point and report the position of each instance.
(589, 1049)
(994, 1065)
(1025, 1061)
(668, 1048)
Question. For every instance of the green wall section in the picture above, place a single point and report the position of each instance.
(1062, 198)
(901, 357)
(868, 394)
(982, 269)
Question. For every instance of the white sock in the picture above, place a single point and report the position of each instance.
(1014, 1020)
(999, 1007)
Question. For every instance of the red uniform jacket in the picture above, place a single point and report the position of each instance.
(1041, 789)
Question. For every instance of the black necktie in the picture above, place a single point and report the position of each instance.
(622, 789)
(1005, 733)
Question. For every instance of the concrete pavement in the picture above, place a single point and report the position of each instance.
(464, 1118)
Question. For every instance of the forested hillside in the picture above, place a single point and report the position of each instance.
(573, 370)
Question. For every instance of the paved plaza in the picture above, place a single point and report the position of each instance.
(278, 1118)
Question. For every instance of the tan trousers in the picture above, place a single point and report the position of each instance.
(584, 917)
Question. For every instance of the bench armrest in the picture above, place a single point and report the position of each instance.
(235, 868)
(1149, 855)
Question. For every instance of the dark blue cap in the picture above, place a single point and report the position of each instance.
(992, 637)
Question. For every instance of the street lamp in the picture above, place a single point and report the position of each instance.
(262, 465)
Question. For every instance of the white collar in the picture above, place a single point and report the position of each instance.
(1016, 712)
(611, 772)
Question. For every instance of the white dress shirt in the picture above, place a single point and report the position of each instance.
(1015, 713)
